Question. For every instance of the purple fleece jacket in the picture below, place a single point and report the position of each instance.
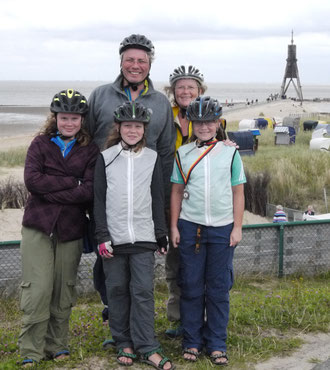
(57, 202)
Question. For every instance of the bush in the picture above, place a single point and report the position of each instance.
(13, 194)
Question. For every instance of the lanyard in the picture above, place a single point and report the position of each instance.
(211, 144)
(142, 92)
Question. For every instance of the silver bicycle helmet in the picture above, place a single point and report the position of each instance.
(186, 72)
(136, 42)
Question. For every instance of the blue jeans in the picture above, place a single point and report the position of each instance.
(205, 278)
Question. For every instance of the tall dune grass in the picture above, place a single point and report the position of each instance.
(298, 174)
(13, 157)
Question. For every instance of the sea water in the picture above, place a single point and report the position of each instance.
(40, 93)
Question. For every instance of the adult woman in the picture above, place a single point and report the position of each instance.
(186, 84)
(58, 173)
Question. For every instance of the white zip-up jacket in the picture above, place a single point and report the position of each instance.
(129, 197)
(209, 199)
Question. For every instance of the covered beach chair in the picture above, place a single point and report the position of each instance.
(320, 140)
(245, 140)
(292, 122)
(261, 123)
(309, 125)
(285, 135)
(246, 124)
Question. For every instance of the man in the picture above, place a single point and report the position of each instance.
(133, 84)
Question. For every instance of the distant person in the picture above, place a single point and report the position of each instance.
(130, 226)
(309, 212)
(133, 84)
(279, 215)
(58, 173)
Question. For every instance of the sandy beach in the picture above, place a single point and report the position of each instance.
(14, 135)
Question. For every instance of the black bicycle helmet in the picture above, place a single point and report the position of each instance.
(186, 72)
(203, 109)
(132, 112)
(137, 42)
(69, 101)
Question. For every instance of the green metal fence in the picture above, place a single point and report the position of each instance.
(268, 249)
(284, 248)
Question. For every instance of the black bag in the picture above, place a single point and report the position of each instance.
(89, 242)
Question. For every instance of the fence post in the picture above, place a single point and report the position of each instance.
(280, 251)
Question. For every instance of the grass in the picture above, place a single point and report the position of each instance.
(13, 158)
(267, 315)
(298, 174)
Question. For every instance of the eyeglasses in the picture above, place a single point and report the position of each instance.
(138, 61)
(208, 123)
(183, 88)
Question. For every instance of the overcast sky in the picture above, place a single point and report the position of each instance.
(230, 41)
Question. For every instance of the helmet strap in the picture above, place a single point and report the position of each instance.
(127, 146)
(206, 142)
(183, 112)
(133, 85)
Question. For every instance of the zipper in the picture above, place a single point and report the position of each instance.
(130, 168)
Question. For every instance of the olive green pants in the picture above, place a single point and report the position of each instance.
(49, 272)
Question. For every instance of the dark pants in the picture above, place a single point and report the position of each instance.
(205, 278)
(129, 282)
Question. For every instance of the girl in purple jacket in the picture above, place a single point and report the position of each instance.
(58, 173)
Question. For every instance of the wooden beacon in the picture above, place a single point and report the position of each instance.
(291, 73)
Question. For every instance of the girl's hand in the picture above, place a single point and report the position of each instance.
(162, 245)
(175, 236)
(105, 249)
(235, 236)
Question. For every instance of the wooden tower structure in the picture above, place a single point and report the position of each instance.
(291, 72)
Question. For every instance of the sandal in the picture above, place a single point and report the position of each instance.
(122, 353)
(28, 362)
(109, 343)
(161, 363)
(191, 352)
(217, 356)
(62, 355)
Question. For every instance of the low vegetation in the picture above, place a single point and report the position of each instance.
(291, 175)
(13, 157)
(267, 316)
(298, 175)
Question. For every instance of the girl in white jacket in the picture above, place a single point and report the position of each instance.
(130, 226)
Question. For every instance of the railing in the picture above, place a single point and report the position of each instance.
(270, 249)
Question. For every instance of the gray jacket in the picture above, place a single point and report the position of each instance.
(160, 132)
